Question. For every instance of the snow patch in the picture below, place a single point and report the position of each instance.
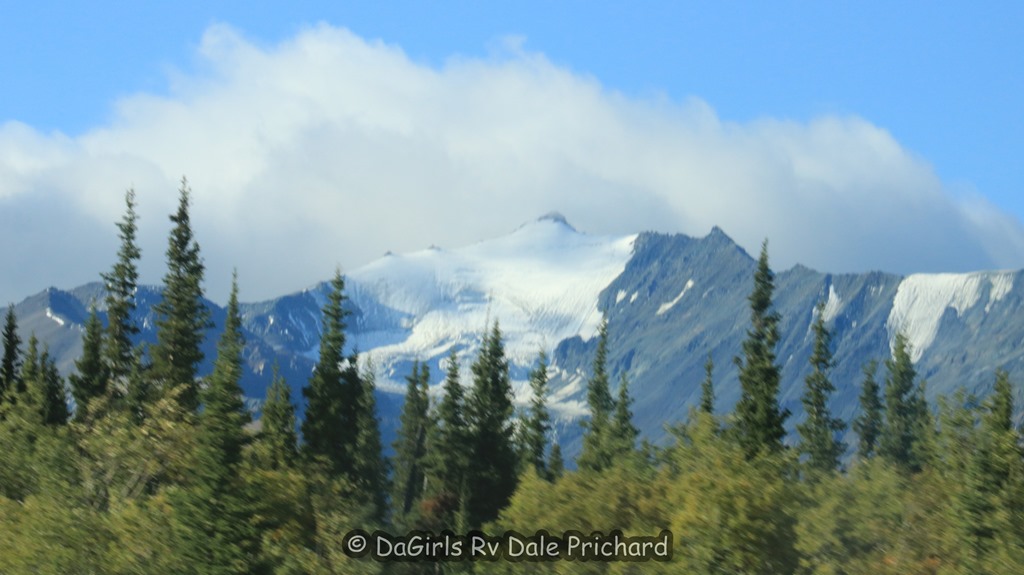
(54, 317)
(669, 305)
(632, 298)
(832, 305)
(922, 299)
(620, 296)
(541, 283)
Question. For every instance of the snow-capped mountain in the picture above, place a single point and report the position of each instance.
(671, 300)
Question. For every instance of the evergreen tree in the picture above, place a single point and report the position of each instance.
(900, 432)
(90, 379)
(759, 420)
(537, 424)
(596, 454)
(707, 388)
(10, 367)
(53, 407)
(448, 446)
(121, 284)
(818, 432)
(491, 475)
(411, 444)
(330, 427)
(139, 388)
(868, 424)
(278, 443)
(215, 523)
(182, 317)
(556, 466)
(623, 433)
(371, 468)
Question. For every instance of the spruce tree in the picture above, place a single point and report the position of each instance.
(182, 317)
(556, 466)
(759, 420)
(623, 433)
(448, 448)
(493, 461)
(278, 443)
(10, 367)
(30, 377)
(900, 432)
(411, 444)
(595, 455)
(121, 284)
(330, 427)
(371, 469)
(868, 424)
(214, 513)
(537, 424)
(53, 408)
(707, 388)
(818, 432)
(90, 378)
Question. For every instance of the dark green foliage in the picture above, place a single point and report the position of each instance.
(536, 425)
(91, 377)
(411, 444)
(371, 468)
(818, 432)
(707, 388)
(448, 449)
(277, 442)
(10, 367)
(556, 466)
(329, 429)
(215, 525)
(53, 407)
(121, 283)
(596, 452)
(182, 317)
(759, 420)
(901, 437)
(868, 424)
(623, 433)
(493, 461)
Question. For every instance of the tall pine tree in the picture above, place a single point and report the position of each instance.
(759, 420)
(411, 444)
(900, 435)
(214, 513)
(448, 446)
(330, 427)
(371, 468)
(868, 424)
(10, 368)
(491, 475)
(596, 453)
(277, 442)
(182, 317)
(623, 433)
(536, 425)
(707, 388)
(818, 432)
(90, 378)
(121, 283)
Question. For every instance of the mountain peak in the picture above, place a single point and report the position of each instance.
(557, 218)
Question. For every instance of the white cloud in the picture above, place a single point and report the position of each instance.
(330, 149)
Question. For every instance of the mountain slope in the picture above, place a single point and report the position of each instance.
(670, 301)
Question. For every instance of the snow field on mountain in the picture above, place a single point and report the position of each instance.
(541, 283)
(922, 299)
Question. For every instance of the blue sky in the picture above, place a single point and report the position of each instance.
(944, 83)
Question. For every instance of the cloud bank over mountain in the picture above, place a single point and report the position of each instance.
(332, 149)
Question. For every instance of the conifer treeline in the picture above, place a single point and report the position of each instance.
(160, 471)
